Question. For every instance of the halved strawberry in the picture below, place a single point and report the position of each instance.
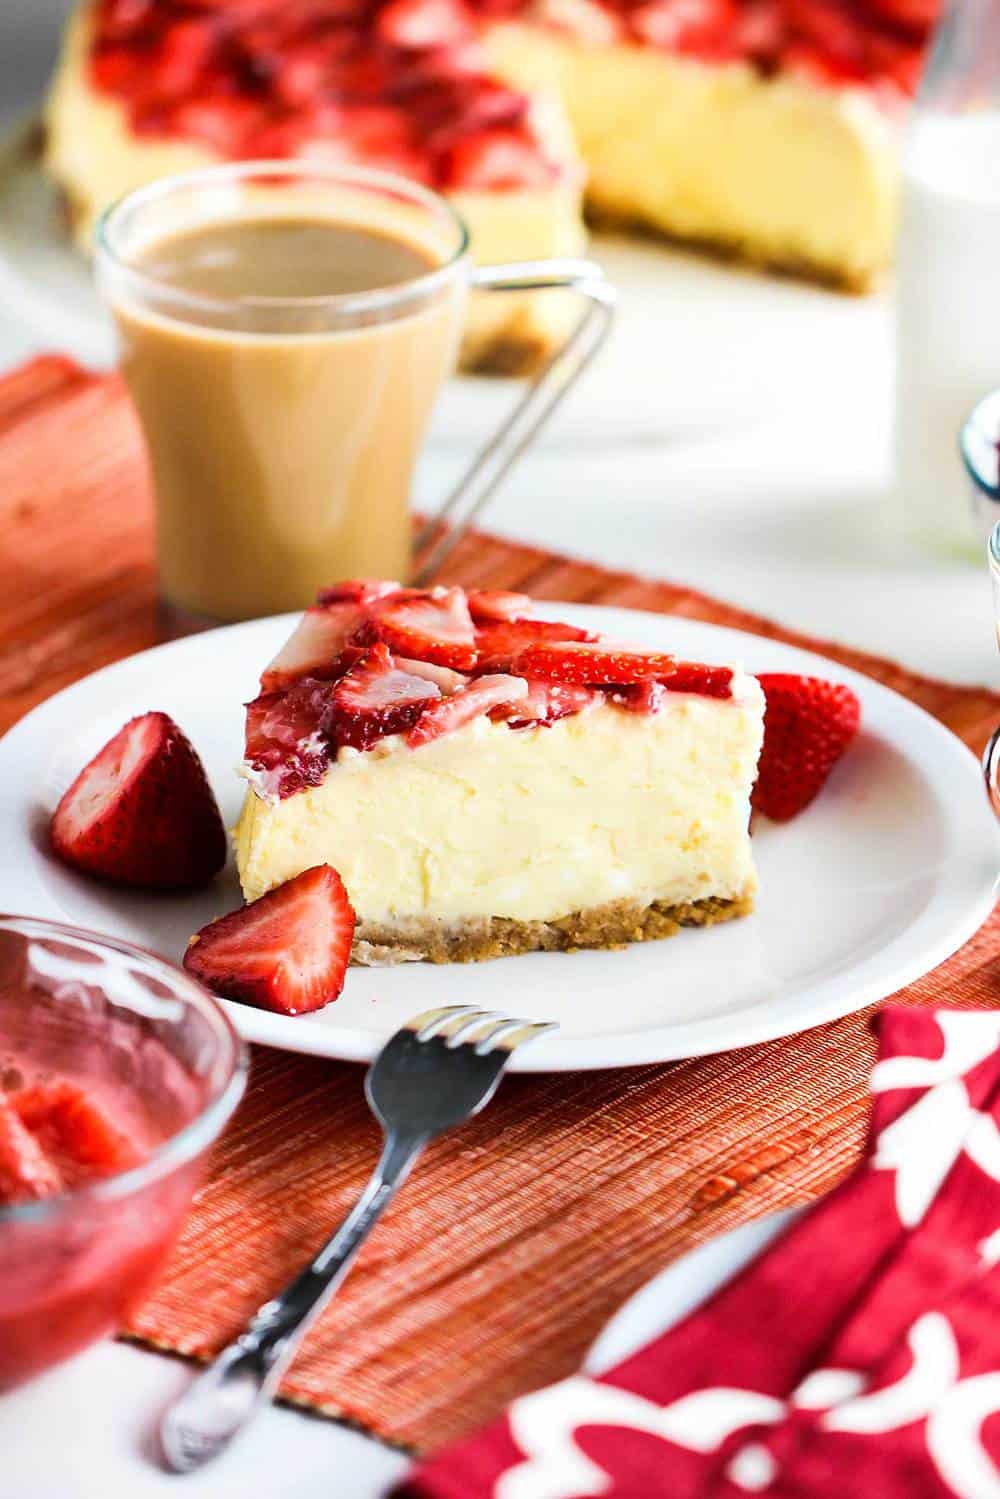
(544, 703)
(26, 1173)
(500, 644)
(597, 663)
(808, 724)
(377, 697)
(75, 1131)
(480, 696)
(424, 23)
(287, 952)
(434, 626)
(487, 605)
(286, 746)
(142, 812)
(495, 160)
(315, 647)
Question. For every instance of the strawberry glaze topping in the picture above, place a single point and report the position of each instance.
(392, 668)
(398, 84)
(404, 84)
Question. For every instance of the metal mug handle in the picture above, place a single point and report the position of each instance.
(991, 771)
(478, 484)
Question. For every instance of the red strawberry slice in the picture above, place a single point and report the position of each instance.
(444, 679)
(487, 605)
(26, 1173)
(544, 703)
(175, 65)
(435, 626)
(917, 16)
(808, 724)
(831, 27)
(495, 161)
(687, 676)
(501, 644)
(75, 1131)
(286, 952)
(761, 31)
(699, 27)
(142, 812)
(358, 591)
(286, 746)
(315, 647)
(424, 23)
(896, 61)
(592, 663)
(479, 697)
(377, 697)
(803, 60)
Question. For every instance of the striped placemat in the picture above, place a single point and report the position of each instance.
(519, 1235)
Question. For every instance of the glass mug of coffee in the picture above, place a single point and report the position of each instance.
(285, 329)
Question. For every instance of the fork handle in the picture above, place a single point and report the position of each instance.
(224, 1397)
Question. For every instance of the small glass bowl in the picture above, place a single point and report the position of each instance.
(141, 1035)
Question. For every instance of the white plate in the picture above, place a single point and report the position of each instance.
(694, 327)
(889, 871)
(680, 1288)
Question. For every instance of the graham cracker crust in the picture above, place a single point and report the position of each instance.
(610, 926)
(739, 252)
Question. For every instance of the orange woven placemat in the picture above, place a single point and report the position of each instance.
(520, 1234)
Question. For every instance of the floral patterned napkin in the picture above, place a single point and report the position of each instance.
(857, 1355)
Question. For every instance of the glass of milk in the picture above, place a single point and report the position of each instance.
(948, 273)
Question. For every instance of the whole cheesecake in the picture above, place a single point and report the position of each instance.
(764, 128)
(487, 783)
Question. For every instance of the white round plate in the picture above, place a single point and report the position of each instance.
(693, 329)
(889, 870)
(680, 1288)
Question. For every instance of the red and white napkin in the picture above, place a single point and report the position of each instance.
(859, 1355)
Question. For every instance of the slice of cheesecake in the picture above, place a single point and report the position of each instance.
(487, 783)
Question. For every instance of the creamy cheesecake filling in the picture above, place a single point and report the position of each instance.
(776, 169)
(528, 825)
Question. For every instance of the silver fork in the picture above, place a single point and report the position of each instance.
(439, 1070)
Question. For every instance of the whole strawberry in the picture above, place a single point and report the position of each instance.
(808, 724)
(142, 813)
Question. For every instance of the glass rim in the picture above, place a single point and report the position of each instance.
(344, 304)
(193, 1137)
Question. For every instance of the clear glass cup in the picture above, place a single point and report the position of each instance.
(147, 1040)
(283, 431)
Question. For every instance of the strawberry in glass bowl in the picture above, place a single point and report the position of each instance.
(117, 1073)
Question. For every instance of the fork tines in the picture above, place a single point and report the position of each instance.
(483, 1030)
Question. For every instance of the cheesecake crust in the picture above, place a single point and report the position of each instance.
(732, 250)
(615, 925)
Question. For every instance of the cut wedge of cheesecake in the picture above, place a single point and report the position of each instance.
(486, 783)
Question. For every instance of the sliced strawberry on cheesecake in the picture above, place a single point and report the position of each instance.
(286, 952)
(488, 783)
(142, 812)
